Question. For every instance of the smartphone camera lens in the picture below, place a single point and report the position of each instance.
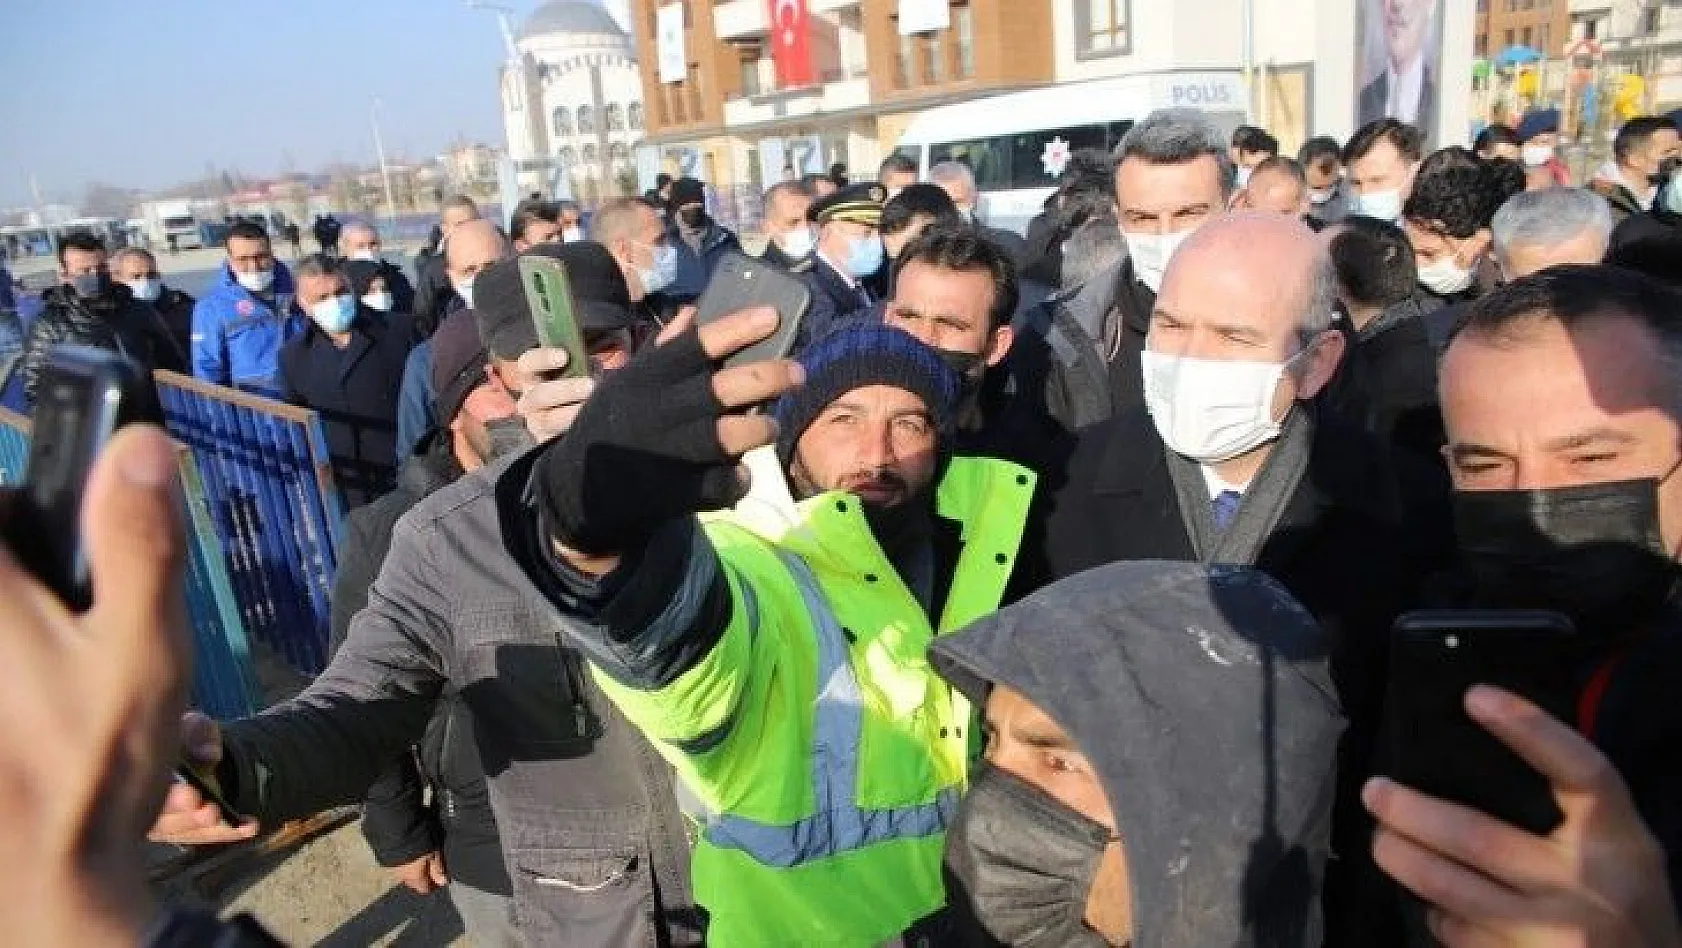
(1451, 641)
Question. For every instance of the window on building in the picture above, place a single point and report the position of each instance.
(589, 153)
(563, 121)
(1589, 28)
(618, 151)
(1483, 6)
(934, 58)
(1525, 36)
(903, 63)
(634, 116)
(1509, 38)
(1650, 20)
(568, 156)
(1546, 38)
(614, 115)
(1480, 48)
(586, 120)
(1103, 27)
(750, 85)
(963, 27)
(1530, 4)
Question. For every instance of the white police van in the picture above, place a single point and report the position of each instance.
(1018, 143)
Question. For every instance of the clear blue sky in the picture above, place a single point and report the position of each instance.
(146, 93)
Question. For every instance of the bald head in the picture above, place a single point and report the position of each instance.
(1250, 287)
(1267, 274)
(473, 246)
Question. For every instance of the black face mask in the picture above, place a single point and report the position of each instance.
(693, 218)
(508, 436)
(1593, 553)
(1026, 862)
(1667, 167)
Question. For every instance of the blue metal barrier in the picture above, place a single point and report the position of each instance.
(271, 493)
(224, 682)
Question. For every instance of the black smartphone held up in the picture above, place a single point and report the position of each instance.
(741, 282)
(1435, 658)
(84, 396)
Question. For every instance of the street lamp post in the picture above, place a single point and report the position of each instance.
(385, 170)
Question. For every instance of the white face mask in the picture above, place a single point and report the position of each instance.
(335, 314)
(1244, 172)
(464, 289)
(381, 302)
(1320, 197)
(1151, 254)
(366, 253)
(572, 235)
(256, 282)
(1445, 277)
(1212, 411)
(146, 291)
(1383, 205)
(1536, 155)
(797, 243)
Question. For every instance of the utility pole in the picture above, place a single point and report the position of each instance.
(385, 171)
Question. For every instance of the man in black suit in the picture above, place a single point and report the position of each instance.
(849, 253)
(1230, 461)
(1406, 89)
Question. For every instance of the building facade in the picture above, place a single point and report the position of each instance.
(718, 109)
(1542, 25)
(572, 102)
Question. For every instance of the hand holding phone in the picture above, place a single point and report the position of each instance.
(1436, 658)
(742, 283)
(554, 312)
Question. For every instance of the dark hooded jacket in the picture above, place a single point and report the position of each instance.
(1202, 698)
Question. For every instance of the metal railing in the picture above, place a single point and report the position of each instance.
(270, 492)
(224, 681)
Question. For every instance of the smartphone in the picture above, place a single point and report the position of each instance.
(554, 313)
(1435, 658)
(741, 282)
(84, 396)
(186, 773)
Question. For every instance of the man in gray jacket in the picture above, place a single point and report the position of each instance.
(594, 845)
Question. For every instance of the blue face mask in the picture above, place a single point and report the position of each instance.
(334, 314)
(664, 271)
(864, 255)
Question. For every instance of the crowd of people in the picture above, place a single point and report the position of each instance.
(1042, 596)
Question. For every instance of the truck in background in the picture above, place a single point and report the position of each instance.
(178, 224)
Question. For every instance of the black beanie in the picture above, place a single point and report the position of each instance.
(856, 356)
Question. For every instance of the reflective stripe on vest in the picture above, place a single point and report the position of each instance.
(837, 824)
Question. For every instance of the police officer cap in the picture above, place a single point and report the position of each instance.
(859, 204)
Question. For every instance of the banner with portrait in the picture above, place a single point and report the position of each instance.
(1399, 62)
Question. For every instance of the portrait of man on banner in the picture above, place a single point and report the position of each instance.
(1401, 54)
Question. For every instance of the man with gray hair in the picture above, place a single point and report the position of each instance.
(360, 241)
(1172, 175)
(1535, 230)
(958, 181)
(1230, 462)
(791, 239)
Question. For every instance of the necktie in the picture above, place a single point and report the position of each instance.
(1224, 508)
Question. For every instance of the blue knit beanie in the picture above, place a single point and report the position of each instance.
(858, 355)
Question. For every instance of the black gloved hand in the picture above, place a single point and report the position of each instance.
(658, 439)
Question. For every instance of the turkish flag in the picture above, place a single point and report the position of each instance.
(791, 43)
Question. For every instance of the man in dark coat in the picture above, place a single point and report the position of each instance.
(361, 242)
(1388, 382)
(1172, 175)
(436, 292)
(1563, 421)
(1230, 462)
(1129, 751)
(958, 181)
(849, 253)
(790, 238)
(700, 241)
(88, 308)
(137, 269)
(348, 367)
